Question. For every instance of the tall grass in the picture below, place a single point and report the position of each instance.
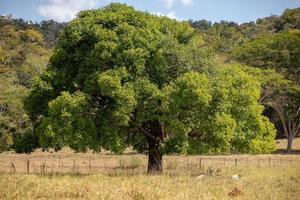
(256, 183)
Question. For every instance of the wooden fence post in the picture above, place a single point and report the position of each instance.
(90, 165)
(200, 163)
(12, 165)
(187, 162)
(235, 162)
(59, 163)
(28, 163)
(73, 166)
(43, 167)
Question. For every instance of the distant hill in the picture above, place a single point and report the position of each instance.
(25, 49)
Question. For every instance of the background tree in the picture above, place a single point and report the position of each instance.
(276, 51)
(282, 95)
(223, 36)
(120, 77)
(50, 30)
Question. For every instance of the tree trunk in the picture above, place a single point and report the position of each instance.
(154, 139)
(154, 158)
(289, 143)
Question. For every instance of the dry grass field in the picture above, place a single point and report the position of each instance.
(68, 175)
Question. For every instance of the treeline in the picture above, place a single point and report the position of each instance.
(269, 49)
(224, 36)
(48, 28)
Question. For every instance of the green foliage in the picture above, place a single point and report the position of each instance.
(225, 36)
(48, 29)
(290, 19)
(238, 96)
(278, 51)
(26, 143)
(230, 120)
(66, 123)
(6, 141)
(222, 36)
(280, 95)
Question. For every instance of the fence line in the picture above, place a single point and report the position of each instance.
(136, 164)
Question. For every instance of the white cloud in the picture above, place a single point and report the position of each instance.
(64, 10)
(170, 3)
(171, 15)
(187, 2)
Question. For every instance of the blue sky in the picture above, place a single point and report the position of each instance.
(214, 10)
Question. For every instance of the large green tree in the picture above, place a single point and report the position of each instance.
(119, 77)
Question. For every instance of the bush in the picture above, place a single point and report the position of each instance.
(26, 143)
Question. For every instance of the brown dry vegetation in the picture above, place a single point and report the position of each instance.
(68, 175)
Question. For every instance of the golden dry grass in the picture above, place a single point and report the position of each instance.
(69, 175)
(256, 183)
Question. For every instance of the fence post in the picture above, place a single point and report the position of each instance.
(59, 163)
(187, 162)
(269, 161)
(13, 167)
(200, 163)
(28, 163)
(73, 166)
(90, 165)
(43, 167)
(235, 162)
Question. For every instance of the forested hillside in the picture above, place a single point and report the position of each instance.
(25, 49)
(268, 50)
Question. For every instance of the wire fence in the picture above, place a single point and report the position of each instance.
(136, 164)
